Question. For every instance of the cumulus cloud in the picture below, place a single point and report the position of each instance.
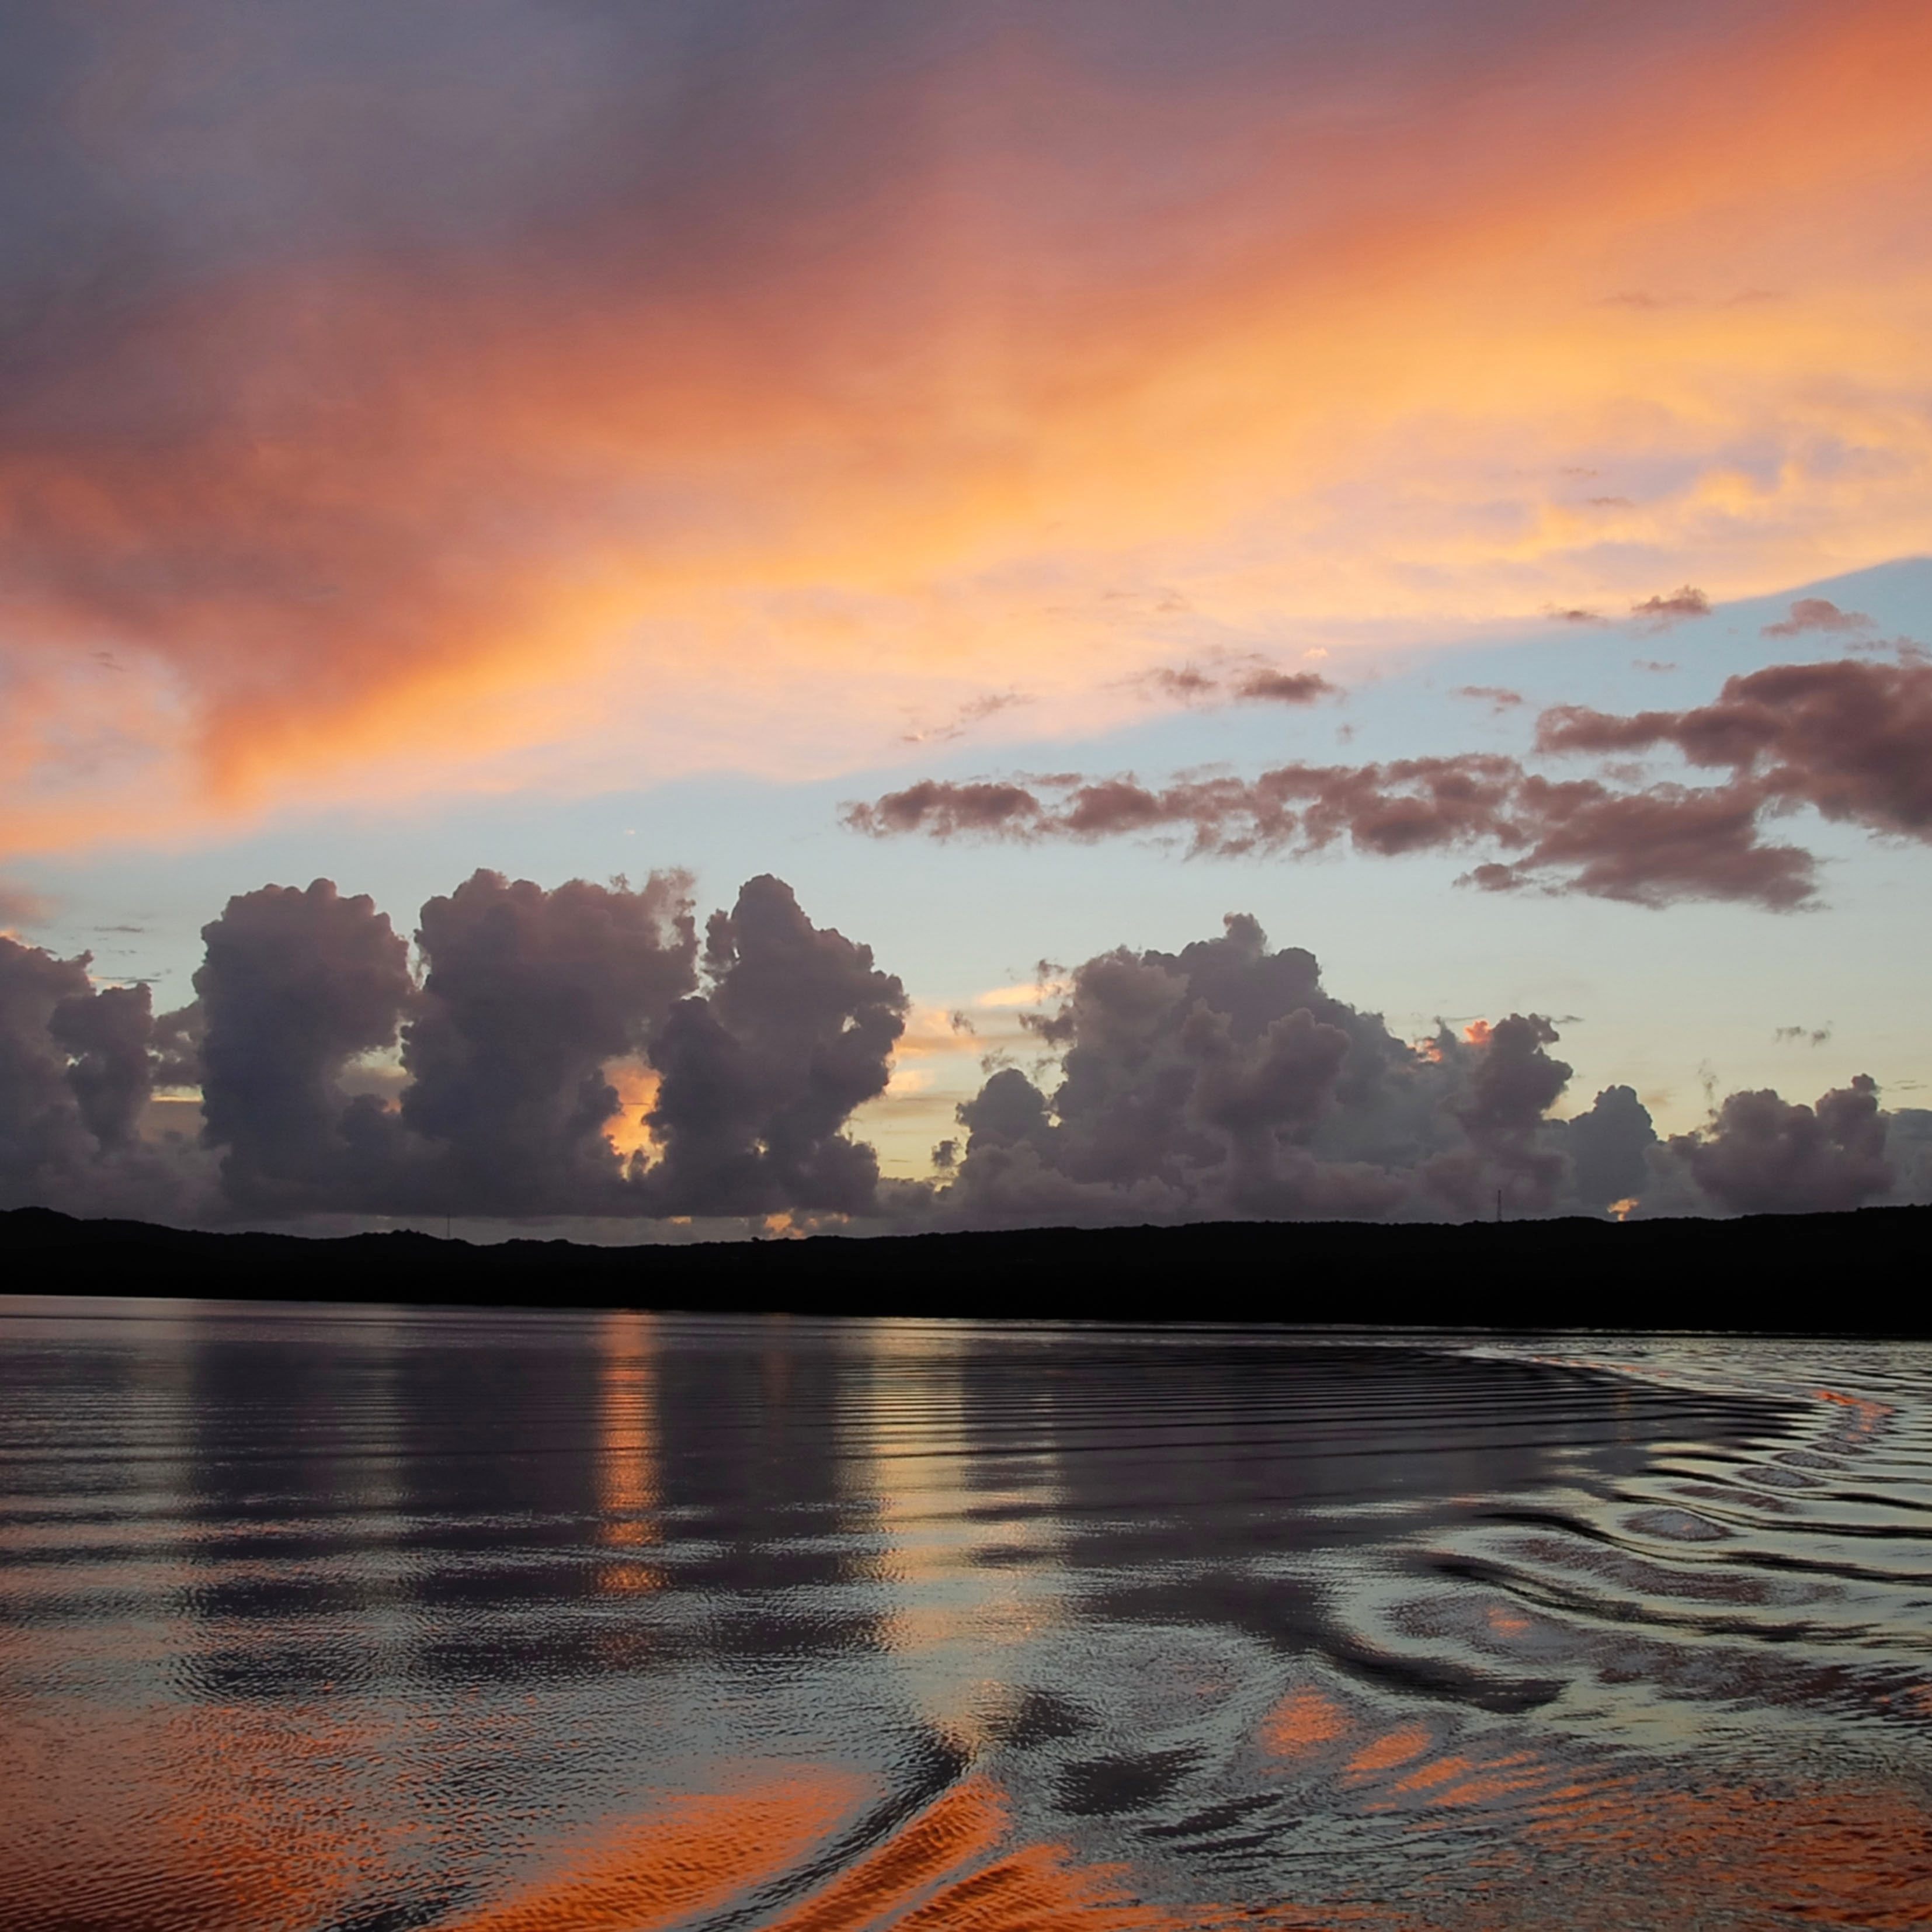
(1608, 1149)
(1226, 1081)
(758, 1076)
(335, 1078)
(529, 995)
(296, 984)
(43, 1136)
(1222, 1080)
(1763, 1154)
(1512, 1082)
(76, 1070)
(1193, 1084)
(106, 1033)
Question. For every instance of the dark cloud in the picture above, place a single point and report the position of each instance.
(492, 1091)
(1193, 1084)
(1853, 738)
(1652, 846)
(1817, 614)
(1576, 615)
(499, 1097)
(76, 1070)
(759, 1076)
(943, 809)
(295, 985)
(529, 996)
(1815, 1035)
(106, 1034)
(1686, 600)
(1763, 1154)
(177, 1046)
(1224, 1079)
(1608, 1149)
(44, 1139)
(1512, 1083)
(1498, 698)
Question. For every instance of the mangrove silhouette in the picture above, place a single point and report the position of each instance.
(1863, 1272)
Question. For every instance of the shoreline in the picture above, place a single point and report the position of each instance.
(1858, 1274)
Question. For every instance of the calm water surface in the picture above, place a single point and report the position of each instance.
(367, 1619)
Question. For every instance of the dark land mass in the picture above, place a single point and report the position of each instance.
(1864, 1273)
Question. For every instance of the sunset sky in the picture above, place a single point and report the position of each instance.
(617, 436)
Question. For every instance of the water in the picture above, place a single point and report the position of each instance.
(367, 1619)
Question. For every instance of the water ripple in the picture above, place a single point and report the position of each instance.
(316, 1621)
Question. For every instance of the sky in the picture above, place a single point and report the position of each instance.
(1445, 481)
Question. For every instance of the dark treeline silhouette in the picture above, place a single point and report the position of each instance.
(1859, 1272)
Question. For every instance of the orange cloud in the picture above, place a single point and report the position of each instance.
(881, 422)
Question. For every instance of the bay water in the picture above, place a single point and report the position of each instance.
(330, 1618)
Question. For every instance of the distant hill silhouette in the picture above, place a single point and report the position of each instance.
(1863, 1273)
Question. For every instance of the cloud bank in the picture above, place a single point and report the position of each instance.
(483, 1074)
(1225, 1081)
(1852, 739)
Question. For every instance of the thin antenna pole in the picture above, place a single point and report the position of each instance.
(1499, 1205)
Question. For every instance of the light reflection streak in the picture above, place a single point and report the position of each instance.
(968, 1529)
(627, 1452)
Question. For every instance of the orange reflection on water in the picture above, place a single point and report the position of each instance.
(1394, 1747)
(627, 1447)
(966, 1824)
(1038, 1888)
(690, 1854)
(1303, 1722)
(939, 1873)
(1862, 1418)
(944, 1871)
